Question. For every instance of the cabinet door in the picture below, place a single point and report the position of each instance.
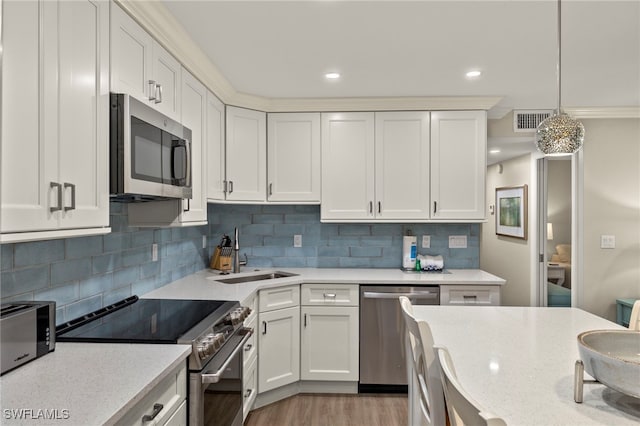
(194, 100)
(215, 148)
(293, 148)
(458, 164)
(329, 343)
(347, 166)
(131, 55)
(27, 169)
(402, 165)
(167, 75)
(83, 111)
(278, 348)
(246, 154)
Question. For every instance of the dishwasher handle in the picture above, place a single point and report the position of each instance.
(411, 295)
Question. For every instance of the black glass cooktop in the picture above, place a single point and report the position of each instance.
(136, 320)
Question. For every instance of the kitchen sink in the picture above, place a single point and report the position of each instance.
(258, 277)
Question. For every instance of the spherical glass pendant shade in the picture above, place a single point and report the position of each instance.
(559, 135)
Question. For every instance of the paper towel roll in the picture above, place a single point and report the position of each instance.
(409, 251)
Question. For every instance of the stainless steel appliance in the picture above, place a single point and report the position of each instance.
(26, 332)
(382, 330)
(213, 329)
(150, 154)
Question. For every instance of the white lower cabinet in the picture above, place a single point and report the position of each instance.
(278, 337)
(478, 295)
(250, 364)
(329, 348)
(165, 404)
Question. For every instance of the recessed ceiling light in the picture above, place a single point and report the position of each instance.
(474, 74)
(332, 75)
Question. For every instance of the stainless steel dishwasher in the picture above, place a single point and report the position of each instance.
(382, 348)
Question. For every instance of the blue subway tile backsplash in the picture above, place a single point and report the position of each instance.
(86, 273)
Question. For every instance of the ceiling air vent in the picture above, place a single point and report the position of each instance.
(528, 120)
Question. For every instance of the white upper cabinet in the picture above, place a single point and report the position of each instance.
(215, 141)
(375, 166)
(246, 149)
(143, 68)
(347, 166)
(458, 164)
(402, 165)
(293, 149)
(55, 101)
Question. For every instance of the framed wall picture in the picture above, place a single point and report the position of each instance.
(511, 211)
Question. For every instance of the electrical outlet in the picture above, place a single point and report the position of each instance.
(204, 241)
(297, 240)
(457, 241)
(607, 241)
(426, 241)
(154, 252)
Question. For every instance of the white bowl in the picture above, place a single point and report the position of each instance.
(613, 358)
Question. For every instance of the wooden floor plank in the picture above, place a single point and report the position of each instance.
(333, 410)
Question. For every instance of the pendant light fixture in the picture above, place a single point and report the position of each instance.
(559, 134)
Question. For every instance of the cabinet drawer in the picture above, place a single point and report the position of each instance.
(249, 387)
(250, 348)
(329, 294)
(170, 393)
(279, 298)
(470, 295)
(179, 418)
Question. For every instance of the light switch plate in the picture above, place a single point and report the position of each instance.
(204, 241)
(457, 241)
(297, 240)
(426, 241)
(154, 252)
(607, 241)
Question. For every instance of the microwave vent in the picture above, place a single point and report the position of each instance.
(527, 121)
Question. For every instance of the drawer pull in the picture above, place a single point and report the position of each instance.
(248, 347)
(330, 295)
(157, 407)
(248, 393)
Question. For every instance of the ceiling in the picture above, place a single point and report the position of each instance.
(424, 48)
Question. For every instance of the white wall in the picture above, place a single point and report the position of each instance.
(506, 257)
(611, 207)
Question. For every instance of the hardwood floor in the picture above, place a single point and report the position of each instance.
(333, 410)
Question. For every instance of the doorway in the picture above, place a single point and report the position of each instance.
(555, 231)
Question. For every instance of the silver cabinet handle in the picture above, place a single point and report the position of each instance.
(370, 207)
(230, 186)
(224, 186)
(264, 327)
(271, 189)
(73, 196)
(305, 320)
(188, 205)
(411, 295)
(435, 207)
(248, 347)
(248, 393)
(157, 407)
(59, 205)
(215, 377)
(330, 295)
(152, 90)
(158, 98)
(379, 207)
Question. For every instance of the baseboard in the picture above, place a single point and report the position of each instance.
(275, 395)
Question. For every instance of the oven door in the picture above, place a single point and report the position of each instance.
(215, 392)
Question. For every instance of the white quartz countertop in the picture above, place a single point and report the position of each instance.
(518, 363)
(204, 284)
(85, 384)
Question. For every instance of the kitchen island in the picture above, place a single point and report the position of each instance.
(518, 363)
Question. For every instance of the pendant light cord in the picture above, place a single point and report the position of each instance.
(559, 70)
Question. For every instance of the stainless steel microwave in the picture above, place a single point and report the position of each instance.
(150, 154)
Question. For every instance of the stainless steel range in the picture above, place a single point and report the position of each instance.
(213, 329)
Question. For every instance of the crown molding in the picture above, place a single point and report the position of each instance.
(604, 112)
(156, 19)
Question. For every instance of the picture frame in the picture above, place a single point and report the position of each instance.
(512, 211)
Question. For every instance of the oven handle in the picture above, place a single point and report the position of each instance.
(215, 377)
(410, 295)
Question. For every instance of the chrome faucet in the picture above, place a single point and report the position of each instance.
(236, 255)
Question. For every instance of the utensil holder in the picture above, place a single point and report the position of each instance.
(221, 259)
